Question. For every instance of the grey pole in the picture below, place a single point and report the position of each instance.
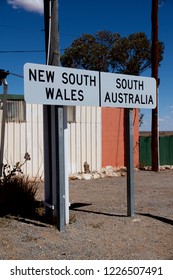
(54, 127)
(4, 112)
(130, 163)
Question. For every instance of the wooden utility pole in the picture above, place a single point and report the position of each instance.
(53, 119)
(155, 59)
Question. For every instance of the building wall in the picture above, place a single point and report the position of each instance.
(113, 137)
(165, 148)
(84, 138)
(96, 136)
(22, 137)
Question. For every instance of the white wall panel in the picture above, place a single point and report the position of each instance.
(84, 140)
(22, 137)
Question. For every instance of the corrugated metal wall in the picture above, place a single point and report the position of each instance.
(165, 150)
(84, 138)
(22, 137)
(145, 150)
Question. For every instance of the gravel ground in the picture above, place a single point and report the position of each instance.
(99, 227)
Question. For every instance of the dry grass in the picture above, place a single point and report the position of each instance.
(17, 196)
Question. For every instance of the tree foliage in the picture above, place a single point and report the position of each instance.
(109, 52)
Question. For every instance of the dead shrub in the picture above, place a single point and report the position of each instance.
(17, 196)
(17, 192)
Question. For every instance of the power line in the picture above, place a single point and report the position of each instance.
(25, 51)
(22, 51)
(17, 75)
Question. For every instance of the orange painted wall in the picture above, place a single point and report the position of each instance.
(113, 137)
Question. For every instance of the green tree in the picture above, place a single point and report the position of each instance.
(109, 52)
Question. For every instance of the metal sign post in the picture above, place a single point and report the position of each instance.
(130, 162)
(4, 112)
(53, 127)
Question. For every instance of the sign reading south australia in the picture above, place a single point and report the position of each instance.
(127, 91)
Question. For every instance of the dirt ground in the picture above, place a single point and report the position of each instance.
(99, 227)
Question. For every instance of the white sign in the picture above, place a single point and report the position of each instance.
(53, 85)
(127, 91)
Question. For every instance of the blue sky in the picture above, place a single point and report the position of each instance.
(22, 24)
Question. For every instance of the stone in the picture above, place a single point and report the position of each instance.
(95, 176)
(86, 176)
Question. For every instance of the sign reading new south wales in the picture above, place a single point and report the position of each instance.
(52, 85)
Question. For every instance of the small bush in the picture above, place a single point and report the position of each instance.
(17, 192)
(17, 196)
